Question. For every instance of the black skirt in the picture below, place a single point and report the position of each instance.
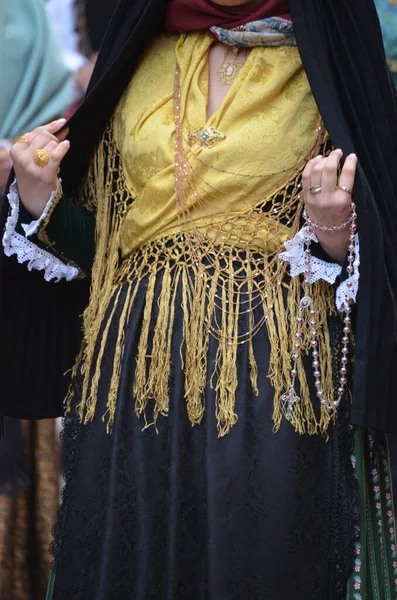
(176, 512)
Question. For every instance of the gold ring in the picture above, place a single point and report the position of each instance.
(344, 189)
(41, 158)
(315, 189)
(24, 139)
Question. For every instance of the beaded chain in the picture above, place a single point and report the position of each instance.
(340, 227)
(291, 398)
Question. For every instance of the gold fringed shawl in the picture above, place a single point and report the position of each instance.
(241, 201)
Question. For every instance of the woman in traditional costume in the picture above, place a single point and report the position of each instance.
(227, 410)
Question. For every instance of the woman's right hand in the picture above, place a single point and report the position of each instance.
(36, 184)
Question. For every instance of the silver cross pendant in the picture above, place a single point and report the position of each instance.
(289, 399)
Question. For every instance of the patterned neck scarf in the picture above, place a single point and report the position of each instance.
(36, 84)
(265, 32)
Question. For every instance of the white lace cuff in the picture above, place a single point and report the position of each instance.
(351, 292)
(320, 269)
(27, 252)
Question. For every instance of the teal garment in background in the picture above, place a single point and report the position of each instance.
(388, 17)
(36, 86)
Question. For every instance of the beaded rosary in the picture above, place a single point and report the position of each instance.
(306, 303)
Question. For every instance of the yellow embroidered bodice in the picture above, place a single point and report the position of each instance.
(269, 118)
(205, 228)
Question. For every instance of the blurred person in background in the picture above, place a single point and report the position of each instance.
(388, 18)
(93, 17)
(62, 14)
(63, 18)
(80, 25)
(35, 86)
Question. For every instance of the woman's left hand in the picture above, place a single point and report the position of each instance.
(331, 205)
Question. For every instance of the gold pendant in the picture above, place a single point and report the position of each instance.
(206, 136)
(230, 69)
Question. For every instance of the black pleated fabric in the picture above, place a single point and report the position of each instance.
(180, 513)
(40, 338)
(98, 14)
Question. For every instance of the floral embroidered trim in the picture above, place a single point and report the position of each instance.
(383, 496)
(27, 252)
(357, 577)
(388, 514)
(320, 269)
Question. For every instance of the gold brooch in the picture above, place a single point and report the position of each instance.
(206, 136)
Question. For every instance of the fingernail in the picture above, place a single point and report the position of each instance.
(61, 121)
(353, 156)
(339, 150)
(318, 156)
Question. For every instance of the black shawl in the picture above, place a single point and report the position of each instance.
(97, 17)
(341, 47)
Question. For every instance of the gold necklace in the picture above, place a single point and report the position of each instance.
(230, 68)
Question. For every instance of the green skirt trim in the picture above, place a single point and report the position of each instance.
(50, 589)
(375, 564)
